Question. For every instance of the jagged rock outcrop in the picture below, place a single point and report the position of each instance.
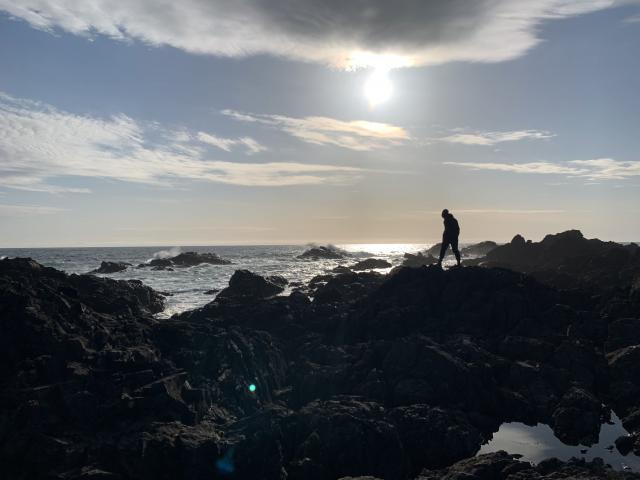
(479, 249)
(418, 260)
(111, 267)
(248, 285)
(185, 259)
(502, 466)
(569, 260)
(370, 263)
(322, 253)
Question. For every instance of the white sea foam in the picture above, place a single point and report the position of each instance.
(172, 252)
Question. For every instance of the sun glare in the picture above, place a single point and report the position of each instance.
(377, 88)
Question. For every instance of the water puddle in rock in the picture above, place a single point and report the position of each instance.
(538, 443)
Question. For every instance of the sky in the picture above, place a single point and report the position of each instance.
(218, 122)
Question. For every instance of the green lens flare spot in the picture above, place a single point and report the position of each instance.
(252, 387)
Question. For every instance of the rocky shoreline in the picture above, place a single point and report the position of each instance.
(397, 376)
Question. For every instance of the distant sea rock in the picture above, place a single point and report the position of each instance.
(370, 263)
(190, 259)
(186, 259)
(322, 253)
(111, 267)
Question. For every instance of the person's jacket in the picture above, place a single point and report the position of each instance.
(451, 227)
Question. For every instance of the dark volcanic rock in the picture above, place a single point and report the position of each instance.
(278, 280)
(248, 285)
(480, 249)
(577, 418)
(379, 375)
(503, 466)
(189, 259)
(568, 259)
(341, 269)
(434, 250)
(625, 443)
(319, 253)
(370, 263)
(418, 260)
(157, 264)
(185, 259)
(111, 267)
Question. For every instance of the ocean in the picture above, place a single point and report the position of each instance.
(187, 286)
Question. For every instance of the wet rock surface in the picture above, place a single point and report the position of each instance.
(419, 259)
(111, 267)
(185, 259)
(392, 376)
(370, 263)
(479, 249)
(502, 466)
(320, 253)
(248, 285)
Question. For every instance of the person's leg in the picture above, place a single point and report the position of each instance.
(454, 247)
(443, 249)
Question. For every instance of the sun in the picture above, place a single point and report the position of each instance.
(378, 88)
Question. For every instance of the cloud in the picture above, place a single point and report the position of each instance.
(39, 143)
(357, 135)
(251, 146)
(340, 33)
(596, 169)
(492, 138)
(21, 210)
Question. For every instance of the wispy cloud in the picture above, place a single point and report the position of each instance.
(39, 143)
(251, 146)
(343, 34)
(596, 169)
(21, 210)
(358, 135)
(492, 138)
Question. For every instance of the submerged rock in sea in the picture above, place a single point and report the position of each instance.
(322, 253)
(111, 267)
(370, 263)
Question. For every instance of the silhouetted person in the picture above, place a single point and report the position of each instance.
(450, 236)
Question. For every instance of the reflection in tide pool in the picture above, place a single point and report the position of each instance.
(538, 443)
